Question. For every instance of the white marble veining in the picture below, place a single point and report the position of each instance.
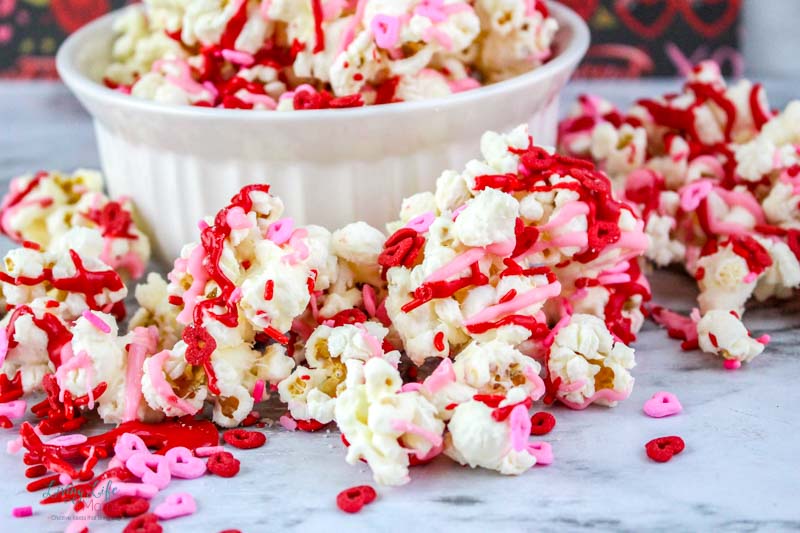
(739, 471)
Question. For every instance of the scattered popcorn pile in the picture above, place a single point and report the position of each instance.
(714, 174)
(314, 54)
(516, 281)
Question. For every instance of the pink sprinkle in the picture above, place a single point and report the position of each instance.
(421, 223)
(542, 451)
(386, 30)
(259, 390)
(694, 193)
(288, 423)
(237, 219)
(732, 364)
(3, 345)
(14, 409)
(96, 321)
(764, 339)
(662, 404)
(236, 295)
(65, 479)
(240, 58)
(280, 231)
(750, 277)
(370, 300)
(458, 210)
(208, 451)
(22, 512)
(13, 446)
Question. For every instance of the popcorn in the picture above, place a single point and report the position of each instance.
(505, 248)
(70, 276)
(311, 391)
(41, 209)
(712, 172)
(496, 368)
(589, 365)
(722, 333)
(384, 425)
(478, 437)
(290, 55)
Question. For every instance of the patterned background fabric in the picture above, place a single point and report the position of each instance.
(631, 38)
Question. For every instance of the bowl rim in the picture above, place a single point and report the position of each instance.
(81, 84)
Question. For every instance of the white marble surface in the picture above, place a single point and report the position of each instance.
(739, 471)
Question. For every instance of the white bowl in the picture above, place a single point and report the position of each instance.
(330, 167)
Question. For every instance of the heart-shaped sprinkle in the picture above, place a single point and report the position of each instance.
(150, 468)
(662, 404)
(13, 409)
(179, 504)
(663, 449)
(126, 507)
(127, 445)
(352, 500)
(184, 465)
(542, 451)
(386, 30)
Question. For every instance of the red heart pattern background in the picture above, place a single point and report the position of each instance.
(630, 38)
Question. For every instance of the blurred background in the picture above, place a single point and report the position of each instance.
(631, 38)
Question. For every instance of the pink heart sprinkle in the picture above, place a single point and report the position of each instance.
(184, 465)
(141, 465)
(179, 504)
(542, 451)
(662, 404)
(13, 409)
(127, 445)
(386, 30)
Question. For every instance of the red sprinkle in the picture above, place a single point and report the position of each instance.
(199, 344)
(243, 439)
(126, 507)
(542, 423)
(223, 464)
(662, 449)
(354, 499)
(438, 341)
(146, 523)
(269, 290)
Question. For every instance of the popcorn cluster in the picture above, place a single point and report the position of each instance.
(314, 54)
(712, 171)
(518, 277)
(40, 209)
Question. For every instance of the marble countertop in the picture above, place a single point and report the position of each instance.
(739, 471)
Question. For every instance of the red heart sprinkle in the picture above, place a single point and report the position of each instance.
(542, 423)
(662, 449)
(223, 464)
(243, 439)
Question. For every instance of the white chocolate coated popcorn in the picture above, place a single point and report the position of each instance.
(384, 425)
(592, 366)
